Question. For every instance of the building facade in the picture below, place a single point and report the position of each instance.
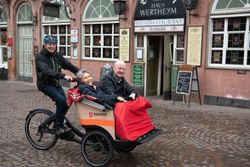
(153, 37)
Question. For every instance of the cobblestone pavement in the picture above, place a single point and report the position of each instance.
(199, 136)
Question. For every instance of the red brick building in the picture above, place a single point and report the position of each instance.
(152, 37)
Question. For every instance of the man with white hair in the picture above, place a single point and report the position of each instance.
(115, 82)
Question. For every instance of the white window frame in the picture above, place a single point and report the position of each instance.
(68, 53)
(226, 13)
(98, 16)
(91, 46)
(225, 44)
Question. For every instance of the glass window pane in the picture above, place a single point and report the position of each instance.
(97, 40)
(53, 29)
(180, 41)
(97, 29)
(107, 53)
(87, 29)
(46, 30)
(140, 40)
(217, 40)
(107, 29)
(87, 40)
(5, 57)
(62, 50)
(3, 36)
(107, 41)
(180, 55)
(62, 40)
(218, 25)
(248, 58)
(236, 41)
(62, 29)
(87, 52)
(68, 40)
(116, 54)
(68, 51)
(68, 29)
(216, 57)
(116, 31)
(96, 52)
(237, 24)
(116, 42)
(235, 57)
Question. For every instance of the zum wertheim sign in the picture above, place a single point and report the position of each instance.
(160, 16)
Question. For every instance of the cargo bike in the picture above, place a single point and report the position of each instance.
(97, 138)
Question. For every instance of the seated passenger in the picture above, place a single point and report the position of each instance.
(86, 87)
(132, 119)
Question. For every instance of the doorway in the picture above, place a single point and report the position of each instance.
(24, 54)
(158, 65)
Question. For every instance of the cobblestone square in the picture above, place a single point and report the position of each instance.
(195, 136)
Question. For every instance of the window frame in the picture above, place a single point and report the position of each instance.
(91, 46)
(68, 35)
(225, 47)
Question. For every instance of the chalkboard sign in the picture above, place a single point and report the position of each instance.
(184, 80)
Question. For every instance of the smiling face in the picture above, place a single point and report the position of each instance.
(119, 69)
(87, 78)
(51, 48)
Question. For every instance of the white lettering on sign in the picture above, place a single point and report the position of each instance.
(164, 11)
(160, 29)
(159, 22)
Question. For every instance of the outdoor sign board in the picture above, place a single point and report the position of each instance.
(159, 16)
(137, 75)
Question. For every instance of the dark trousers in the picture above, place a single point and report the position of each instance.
(57, 94)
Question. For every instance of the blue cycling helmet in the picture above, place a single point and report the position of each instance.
(50, 39)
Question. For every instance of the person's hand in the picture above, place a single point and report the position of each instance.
(68, 78)
(132, 96)
(119, 98)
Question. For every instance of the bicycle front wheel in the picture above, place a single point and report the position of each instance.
(40, 136)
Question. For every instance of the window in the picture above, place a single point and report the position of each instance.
(59, 27)
(230, 35)
(100, 31)
(101, 41)
(62, 32)
(179, 49)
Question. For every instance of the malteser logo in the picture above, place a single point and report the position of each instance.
(100, 114)
(91, 114)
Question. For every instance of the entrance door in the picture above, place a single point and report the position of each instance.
(24, 52)
(153, 50)
(167, 65)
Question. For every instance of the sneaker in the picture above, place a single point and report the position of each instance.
(63, 130)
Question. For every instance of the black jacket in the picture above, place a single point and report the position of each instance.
(49, 66)
(101, 97)
(109, 85)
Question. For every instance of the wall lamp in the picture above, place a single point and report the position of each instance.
(119, 6)
(190, 5)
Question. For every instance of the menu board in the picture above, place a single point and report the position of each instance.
(124, 44)
(184, 80)
(137, 75)
(194, 45)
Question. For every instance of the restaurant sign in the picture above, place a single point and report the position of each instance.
(160, 16)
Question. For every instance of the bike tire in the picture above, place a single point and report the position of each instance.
(38, 138)
(97, 148)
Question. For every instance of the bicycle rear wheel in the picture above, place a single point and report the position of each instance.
(40, 137)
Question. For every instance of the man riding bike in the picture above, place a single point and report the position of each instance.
(49, 64)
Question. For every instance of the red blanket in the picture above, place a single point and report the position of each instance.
(132, 119)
